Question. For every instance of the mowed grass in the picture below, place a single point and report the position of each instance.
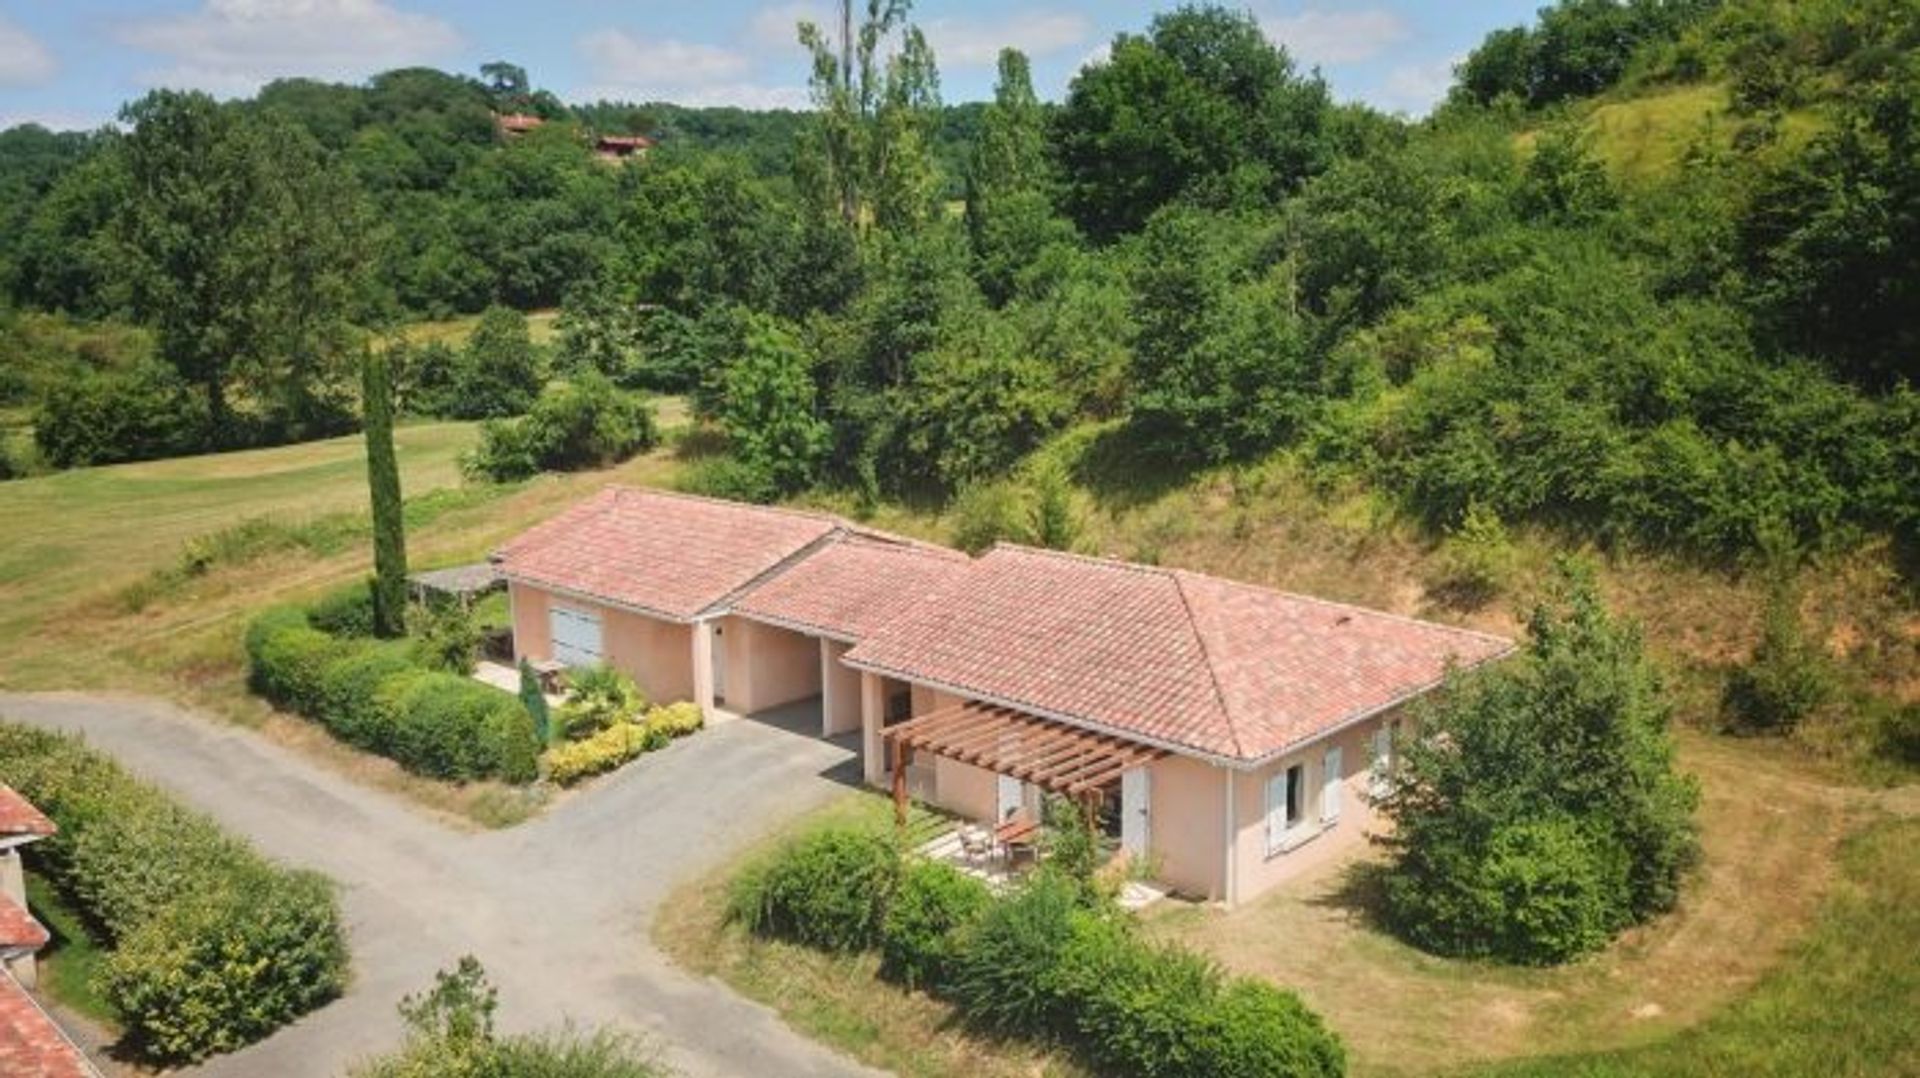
(71, 961)
(77, 542)
(1646, 137)
(455, 331)
(1781, 954)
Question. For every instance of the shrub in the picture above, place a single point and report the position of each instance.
(346, 612)
(1784, 681)
(1254, 1029)
(571, 761)
(452, 727)
(1539, 812)
(1135, 1007)
(920, 933)
(445, 638)
(140, 414)
(349, 691)
(598, 696)
(988, 513)
(534, 699)
(1005, 975)
(678, 720)
(828, 889)
(213, 946)
(289, 667)
(590, 423)
(727, 477)
(1476, 559)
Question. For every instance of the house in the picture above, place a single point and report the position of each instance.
(621, 147)
(685, 595)
(1225, 735)
(515, 124)
(31, 1044)
(1229, 734)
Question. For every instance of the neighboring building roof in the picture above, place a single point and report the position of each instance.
(18, 929)
(849, 588)
(517, 122)
(31, 1045)
(1193, 662)
(671, 555)
(19, 817)
(460, 581)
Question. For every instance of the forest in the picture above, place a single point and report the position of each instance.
(1198, 258)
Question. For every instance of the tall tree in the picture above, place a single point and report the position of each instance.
(877, 90)
(235, 243)
(1010, 214)
(383, 484)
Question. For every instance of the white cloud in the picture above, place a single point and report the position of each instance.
(967, 43)
(24, 61)
(1415, 88)
(233, 46)
(777, 25)
(54, 119)
(1337, 37)
(622, 67)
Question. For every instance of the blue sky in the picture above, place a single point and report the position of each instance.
(70, 63)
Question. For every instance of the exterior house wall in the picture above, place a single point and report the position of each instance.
(13, 883)
(1255, 869)
(839, 689)
(767, 666)
(1187, 826)
(657, 654)
(973, 792)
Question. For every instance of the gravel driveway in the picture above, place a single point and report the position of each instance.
(557, 908)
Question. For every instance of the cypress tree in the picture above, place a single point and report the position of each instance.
(383, 480)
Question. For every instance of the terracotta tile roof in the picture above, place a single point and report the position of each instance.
(669, 554)
(19, 817)
(851, 587)
(18, 929)
(31, 1045)
(1193, 662)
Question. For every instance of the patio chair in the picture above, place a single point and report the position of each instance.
(975, 845)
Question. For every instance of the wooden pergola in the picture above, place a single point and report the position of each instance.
(1053, 755)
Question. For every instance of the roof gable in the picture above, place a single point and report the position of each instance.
(672, 555)
(19, 817)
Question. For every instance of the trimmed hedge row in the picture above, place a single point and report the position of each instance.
(1048, 961)
(376, 696)
(213, 947)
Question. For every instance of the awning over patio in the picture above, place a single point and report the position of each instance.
(1063, 759)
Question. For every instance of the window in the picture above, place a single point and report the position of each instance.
(1286, 807)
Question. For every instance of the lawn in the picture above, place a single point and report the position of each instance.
(69, 961)
(1765, 925)
(81, 541)
(455, 331)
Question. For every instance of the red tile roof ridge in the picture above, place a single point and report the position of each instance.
(1177, 573)
(730, 503)
(906, 544)
(1369, 611)
(1206, 661)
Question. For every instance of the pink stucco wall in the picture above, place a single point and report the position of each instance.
(1187, 826)
(657, 654)
(1256, 870)
(767, 666)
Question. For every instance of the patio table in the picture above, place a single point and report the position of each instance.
(1017, 833)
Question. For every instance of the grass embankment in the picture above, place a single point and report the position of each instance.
(1643, 137)
(1774, 923)
(455, 331)
(92, 596)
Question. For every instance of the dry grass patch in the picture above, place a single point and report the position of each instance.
(1769, 836)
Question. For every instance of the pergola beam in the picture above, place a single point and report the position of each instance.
(1053, 755)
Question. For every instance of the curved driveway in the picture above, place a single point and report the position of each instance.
(557, 909)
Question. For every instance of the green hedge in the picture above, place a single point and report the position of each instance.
(213, 947)
(374, 695)
(1048, 962)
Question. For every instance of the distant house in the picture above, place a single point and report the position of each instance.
(515, 124)
(31, 1044)
(1224, 734)
(621, 147)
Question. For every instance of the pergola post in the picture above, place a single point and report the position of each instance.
(902, 755)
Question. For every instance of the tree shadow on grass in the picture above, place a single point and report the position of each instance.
(1122, 470)
(1360, 892)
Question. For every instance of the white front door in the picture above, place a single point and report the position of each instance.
(1136, 815)
(576, 636)
(1012, 797)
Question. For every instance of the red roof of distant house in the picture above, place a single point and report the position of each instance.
(18, 929)
(31, 1045)
(631, 142)
(850, 588)
(19, 817)
(671, 555)
(518, 122)
(1191, 662)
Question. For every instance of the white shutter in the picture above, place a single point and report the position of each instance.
(1276, 811)
(1382, 765)
(1330, 790)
